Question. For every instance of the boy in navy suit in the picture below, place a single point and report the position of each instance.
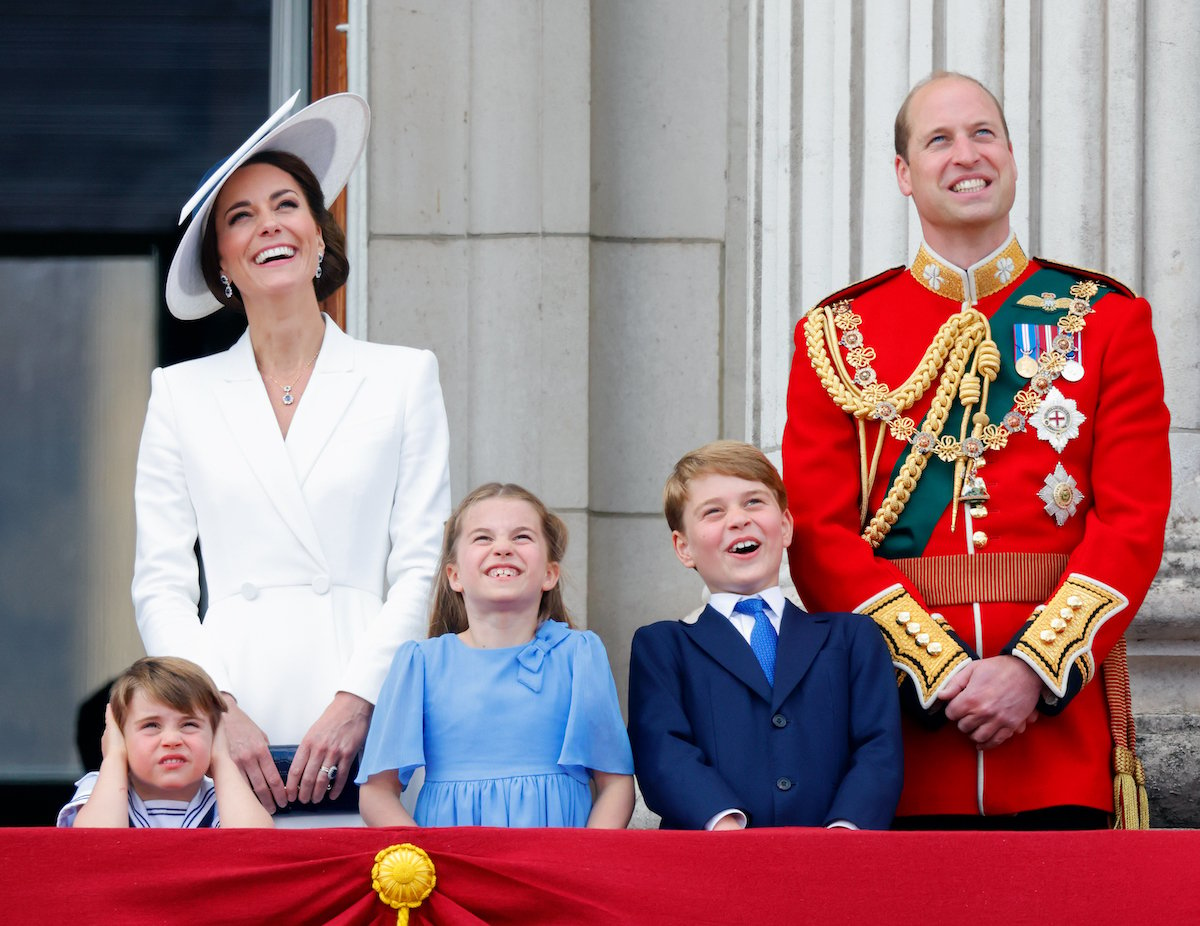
(757, 713)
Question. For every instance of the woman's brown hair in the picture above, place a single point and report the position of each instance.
(335, 268)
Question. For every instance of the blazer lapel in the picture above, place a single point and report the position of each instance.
(714, 634)
(247, 411)
(801, 637)
(329, 392)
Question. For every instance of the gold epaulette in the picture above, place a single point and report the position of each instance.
(855, 290)
(1102, 278)
(1059, 635)
(921, 645)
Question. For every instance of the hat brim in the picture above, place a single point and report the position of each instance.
(328, 135)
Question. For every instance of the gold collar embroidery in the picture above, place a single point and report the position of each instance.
(988, 276)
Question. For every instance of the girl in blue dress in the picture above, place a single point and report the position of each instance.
(512, 713)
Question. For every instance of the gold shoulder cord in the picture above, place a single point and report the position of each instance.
(965, 339)
(866, 399)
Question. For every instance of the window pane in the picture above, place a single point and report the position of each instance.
(75, 365)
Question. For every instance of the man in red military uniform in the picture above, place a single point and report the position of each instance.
(976, 456)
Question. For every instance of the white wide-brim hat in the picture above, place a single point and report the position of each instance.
(328, 135)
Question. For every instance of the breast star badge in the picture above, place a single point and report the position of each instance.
(1057, 419)
(1060, 494)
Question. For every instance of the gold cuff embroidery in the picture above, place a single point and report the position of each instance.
(920, 644)
(1061, 633)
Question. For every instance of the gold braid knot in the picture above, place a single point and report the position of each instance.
(860, 395)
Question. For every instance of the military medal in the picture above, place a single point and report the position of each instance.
(974, 490)
(1072, 370)
(1060, 495)
(1041, 353)
(1047, 302)
(1057, 419)
(1025, 342)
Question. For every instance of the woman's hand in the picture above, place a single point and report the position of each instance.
(249, 748)
(332, 742)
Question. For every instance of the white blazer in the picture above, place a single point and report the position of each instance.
(318, 551)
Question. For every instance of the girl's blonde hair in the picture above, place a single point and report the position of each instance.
(449, 611)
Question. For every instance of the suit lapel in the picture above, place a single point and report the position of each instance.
(714, 634)
(247, 411)
(329, 392)
(801, 637)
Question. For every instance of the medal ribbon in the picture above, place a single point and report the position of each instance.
(932, 495)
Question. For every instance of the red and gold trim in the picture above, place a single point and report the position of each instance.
(1060, 634)
(921, 644)
(989, 276)
(983, 577)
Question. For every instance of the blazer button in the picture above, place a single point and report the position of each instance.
(320, 584)
(249, 591)
(779, 720)
(784, 784)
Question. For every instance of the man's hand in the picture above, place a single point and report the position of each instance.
(992, 699)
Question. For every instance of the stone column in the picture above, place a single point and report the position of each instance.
(479, 215)
(660, 151)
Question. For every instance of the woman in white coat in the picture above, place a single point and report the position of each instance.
(311, 467)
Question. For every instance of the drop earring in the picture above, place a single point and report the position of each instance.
(228, 288)
(320, 260)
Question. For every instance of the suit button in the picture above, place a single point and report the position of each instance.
(779, 720)
(784, 784)
(249, 591)
(320, 584)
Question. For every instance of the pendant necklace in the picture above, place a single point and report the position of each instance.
(288, 398)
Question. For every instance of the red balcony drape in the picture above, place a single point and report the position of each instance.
(526, 877)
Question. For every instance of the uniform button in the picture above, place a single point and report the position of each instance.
(779, 720)
(320, 584)
(249, 591)
(784, 784)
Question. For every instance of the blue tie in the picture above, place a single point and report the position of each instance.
(763, 637)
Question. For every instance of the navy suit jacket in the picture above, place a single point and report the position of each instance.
(709, 734)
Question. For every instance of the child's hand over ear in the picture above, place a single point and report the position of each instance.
(112, 742)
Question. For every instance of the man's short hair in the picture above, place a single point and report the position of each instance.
(727, 458)
(902, 128)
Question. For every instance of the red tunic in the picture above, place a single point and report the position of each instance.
(1112, 542)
